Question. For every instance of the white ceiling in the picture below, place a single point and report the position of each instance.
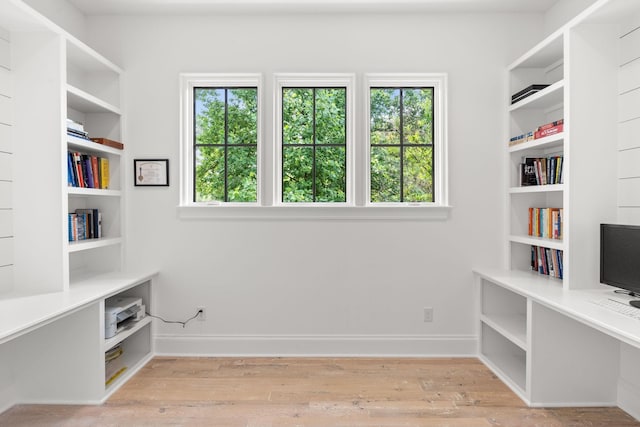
(126, 7)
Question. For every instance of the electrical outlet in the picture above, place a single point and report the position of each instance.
(202, 314)
(428, 314)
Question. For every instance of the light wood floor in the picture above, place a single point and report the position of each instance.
(319, 392)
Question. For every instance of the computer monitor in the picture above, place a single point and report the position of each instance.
(620, 258)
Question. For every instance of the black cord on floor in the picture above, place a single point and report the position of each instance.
(184, 324)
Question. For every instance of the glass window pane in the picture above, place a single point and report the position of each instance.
(297, 116)
(242, 174)
(385, 174)
(385, 116)
(242, 116)
(417, 115)
(331, 115)
(209, 116)
(209, 179)
(331, 174)
(297, 174)
(418, 174)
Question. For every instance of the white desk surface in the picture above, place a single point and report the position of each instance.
(20, 313)
(577, 304)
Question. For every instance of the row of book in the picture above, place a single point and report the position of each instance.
(85, 224)
(547, 261)
(113, 364)
(541, 131)
(87, 171)
(541, 171)
(546, 222)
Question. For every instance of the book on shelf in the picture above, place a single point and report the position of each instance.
(114, 364)
(546, 223)
(87, 171)
(541, 131)
(76, 129)
(540, 171)
(85, 224)
(547, 261)
(526, 92)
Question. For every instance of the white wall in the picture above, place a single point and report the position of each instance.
(629, 124)
(318, 287)
(6, 167)
(562, 12)
(63, 13)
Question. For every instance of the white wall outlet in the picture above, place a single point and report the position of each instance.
(202, 314)
(428, 314)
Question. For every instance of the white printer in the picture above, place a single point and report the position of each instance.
(120, 313)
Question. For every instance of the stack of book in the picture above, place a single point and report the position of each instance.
(545, 222)
(540, 132)
(85, 224)
(113, 364)
(541, 170)
(528, 91)
(547, 261)
(87, 171)
(76, 129)
(549, 129)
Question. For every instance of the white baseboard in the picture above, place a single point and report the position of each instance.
(629, 398)
(317, 345)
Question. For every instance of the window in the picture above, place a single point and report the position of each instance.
(314, 148)
(222, 134)
(396, 168)
(406, 152)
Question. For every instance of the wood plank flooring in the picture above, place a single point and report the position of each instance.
(318, 392)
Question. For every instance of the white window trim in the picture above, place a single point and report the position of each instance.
(440, 161)
(267, 208)
(284, 80)
(188, 81)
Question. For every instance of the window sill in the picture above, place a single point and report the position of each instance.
(407, 213)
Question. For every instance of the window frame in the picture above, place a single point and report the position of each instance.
(318, 81)
(188, 83)
(437, 81)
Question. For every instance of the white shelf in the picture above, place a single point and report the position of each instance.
(545, 53)
(547, 143)
(83, 56)
(511, 370)
(551, 188)
(84, 245)
(133, 362)
(512, 326)
(538, 241)
(82, 101)
(548, 97)
(118, 338)
(506, 359)
(76, 143)
(80, 191)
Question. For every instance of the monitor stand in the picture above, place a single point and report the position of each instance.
(635, 303)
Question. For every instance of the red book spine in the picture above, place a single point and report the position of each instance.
(94, 169)
(549, 131)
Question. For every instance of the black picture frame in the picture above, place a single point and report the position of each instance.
(151, 172)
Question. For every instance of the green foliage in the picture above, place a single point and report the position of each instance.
(240, 151)
(328, 161)
(226, 144)
(411, 109)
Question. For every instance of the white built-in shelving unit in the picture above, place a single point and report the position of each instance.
(57, 304)
(544, 337)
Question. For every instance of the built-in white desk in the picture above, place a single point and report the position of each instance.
(53, 345)
(556, 347)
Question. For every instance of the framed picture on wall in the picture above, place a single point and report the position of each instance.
(151, 172)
